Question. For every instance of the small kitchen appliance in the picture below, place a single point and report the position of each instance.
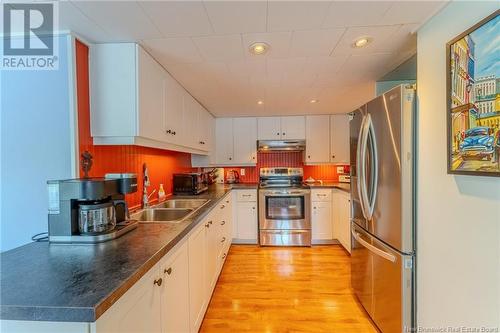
(284, 208)
(90, 210)
(191, 183)
(233, 177)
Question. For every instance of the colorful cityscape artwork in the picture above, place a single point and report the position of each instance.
(473, 87)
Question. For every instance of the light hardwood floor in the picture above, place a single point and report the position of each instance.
(270, 289)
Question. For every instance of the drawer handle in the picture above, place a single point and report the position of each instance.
(223, 222)
(222, 207)
(246, 195)
(207, 225)
(223, 256)
(158, 282)
(227, 201)
(168, 271)
(321, 195)
(210, 222)
(223, 239)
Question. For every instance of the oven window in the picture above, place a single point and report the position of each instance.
(285, 208)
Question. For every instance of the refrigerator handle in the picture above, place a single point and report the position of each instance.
(372, 248)
(371, 199)
(361, 166)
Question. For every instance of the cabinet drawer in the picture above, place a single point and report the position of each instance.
(246, 195)
(321, 195)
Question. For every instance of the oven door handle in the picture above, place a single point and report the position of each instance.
(282, 193)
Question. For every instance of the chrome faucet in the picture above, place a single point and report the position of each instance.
(146, 183)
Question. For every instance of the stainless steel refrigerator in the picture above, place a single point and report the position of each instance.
(382, 143)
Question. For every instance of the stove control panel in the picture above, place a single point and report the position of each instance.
(283, 172)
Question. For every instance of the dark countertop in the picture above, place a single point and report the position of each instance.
(77, 283)
(341, 186)
(244, 186)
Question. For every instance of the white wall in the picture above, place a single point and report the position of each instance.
(36, 145)
(458, 224)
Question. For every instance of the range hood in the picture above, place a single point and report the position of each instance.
(281, 145)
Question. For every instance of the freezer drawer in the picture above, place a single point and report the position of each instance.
(285, 237)
(382, 279)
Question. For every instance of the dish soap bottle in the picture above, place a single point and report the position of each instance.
(161, 193)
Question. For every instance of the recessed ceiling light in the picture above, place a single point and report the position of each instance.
(258, 48)
(362, 42)
(260, 102)
(312, 101)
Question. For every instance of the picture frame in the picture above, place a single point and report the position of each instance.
(473, 99)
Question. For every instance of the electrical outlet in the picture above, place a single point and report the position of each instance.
(242, 172)
(340, 169)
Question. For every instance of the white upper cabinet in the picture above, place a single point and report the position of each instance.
(206, 129)
(135, 101)
(174, 111)
(281, 128)
(317, 139)
(269, 128)
(339, 134)
(293, 128)
(224, 140)
(151, 97)
(245, 140)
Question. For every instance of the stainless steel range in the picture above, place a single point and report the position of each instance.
(284, 208)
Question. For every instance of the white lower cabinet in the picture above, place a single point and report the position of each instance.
(321, 216)
(245, 217)
(197, 294)
(341, 203)
(174, 272)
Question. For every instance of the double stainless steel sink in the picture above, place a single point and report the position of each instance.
(171, 211)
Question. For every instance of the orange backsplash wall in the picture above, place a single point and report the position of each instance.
(110, 159)
(325, 172)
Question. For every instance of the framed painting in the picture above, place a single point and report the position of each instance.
(473, 95)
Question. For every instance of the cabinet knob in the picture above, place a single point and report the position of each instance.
(333, 156)
(224, 256)
(278, 133)
(308, 156)
(173, 132)
(158, 282)
(223, 239)
(227, 201)
(284, 133)
(222, 222)
(169, 131)
(314, 207)
(253, 157)
(230, 158)
(168, 271)
(253, 207)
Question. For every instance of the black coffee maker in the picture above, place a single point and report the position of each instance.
(90, 210)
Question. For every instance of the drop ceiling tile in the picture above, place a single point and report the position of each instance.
(325, 64)
(220, 48)
(296, 15)
(123, 20)
(367, 66)
(237, 16)
(411, 11)
(277, 67)
(402, 40)
(71, 18)
(279, 43)
(309, 43)
(248, 68)
(356, 13)
(173, 50)
(178, 18)
(379, 35)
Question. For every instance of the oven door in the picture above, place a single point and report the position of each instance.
(284, 209)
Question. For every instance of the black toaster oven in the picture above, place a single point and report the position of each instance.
(189, 183)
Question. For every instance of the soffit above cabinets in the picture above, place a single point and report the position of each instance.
(204, 45)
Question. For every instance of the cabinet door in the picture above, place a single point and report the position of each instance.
(339, 146)
(322, 223)
(246, 218)
(151, 90)
(336, 214)
(345, 221)
(317, 139)
(175, 292)
(197, 293)
(190, 122)
(293, 128)
(224, 140)
(205, 129)
(174, 110)
(269, 128)
(212, 240)
(245, 140)
(136, 311)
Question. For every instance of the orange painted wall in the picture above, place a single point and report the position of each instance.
(110, 159)
(287, 159)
